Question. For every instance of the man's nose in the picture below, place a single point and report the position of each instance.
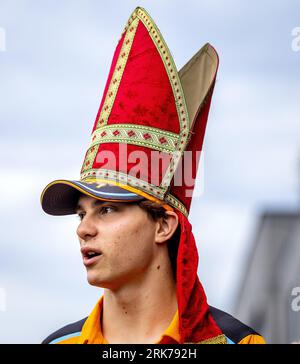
(87, 229)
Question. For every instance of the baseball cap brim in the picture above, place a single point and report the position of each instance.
(60, 197)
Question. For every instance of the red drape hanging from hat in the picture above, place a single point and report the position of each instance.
(196, 323)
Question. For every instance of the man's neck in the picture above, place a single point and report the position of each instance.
(140, 312)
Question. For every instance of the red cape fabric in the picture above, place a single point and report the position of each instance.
(195, 320)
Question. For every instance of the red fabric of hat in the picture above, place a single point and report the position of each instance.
(196, 323)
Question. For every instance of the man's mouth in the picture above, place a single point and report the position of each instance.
(90, 256)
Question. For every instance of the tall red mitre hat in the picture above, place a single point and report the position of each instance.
(146, 139)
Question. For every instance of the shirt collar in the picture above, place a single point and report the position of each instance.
(91, 332)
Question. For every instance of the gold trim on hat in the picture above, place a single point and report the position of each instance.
(145, 136)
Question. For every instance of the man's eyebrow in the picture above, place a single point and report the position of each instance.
(78, 207)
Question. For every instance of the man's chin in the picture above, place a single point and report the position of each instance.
(95, 283)
(94, 280)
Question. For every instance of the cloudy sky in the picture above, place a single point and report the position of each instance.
(54, 61)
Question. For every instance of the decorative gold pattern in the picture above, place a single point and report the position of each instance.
(173, 201)
(145, 136)
(221, 339)
(89, 159)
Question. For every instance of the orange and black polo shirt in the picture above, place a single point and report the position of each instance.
(89, 331)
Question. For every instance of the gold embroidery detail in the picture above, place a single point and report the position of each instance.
(173, 201)
(149, 137)
(221, 339)
(89, 159)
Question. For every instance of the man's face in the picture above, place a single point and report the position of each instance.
(123, 238)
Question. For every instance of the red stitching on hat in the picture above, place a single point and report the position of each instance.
(146, 136)
(162, 140)
(130, 133)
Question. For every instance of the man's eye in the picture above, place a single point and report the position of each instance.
(106, 209)
(80, 215)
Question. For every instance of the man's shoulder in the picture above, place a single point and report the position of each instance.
(235, 331)
(66, 333)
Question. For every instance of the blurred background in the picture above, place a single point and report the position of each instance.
(54, 61)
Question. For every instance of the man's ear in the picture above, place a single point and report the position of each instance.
(166, 227)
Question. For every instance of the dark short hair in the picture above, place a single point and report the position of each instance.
(155, 211)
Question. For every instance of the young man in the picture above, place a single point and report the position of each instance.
(134, 196)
